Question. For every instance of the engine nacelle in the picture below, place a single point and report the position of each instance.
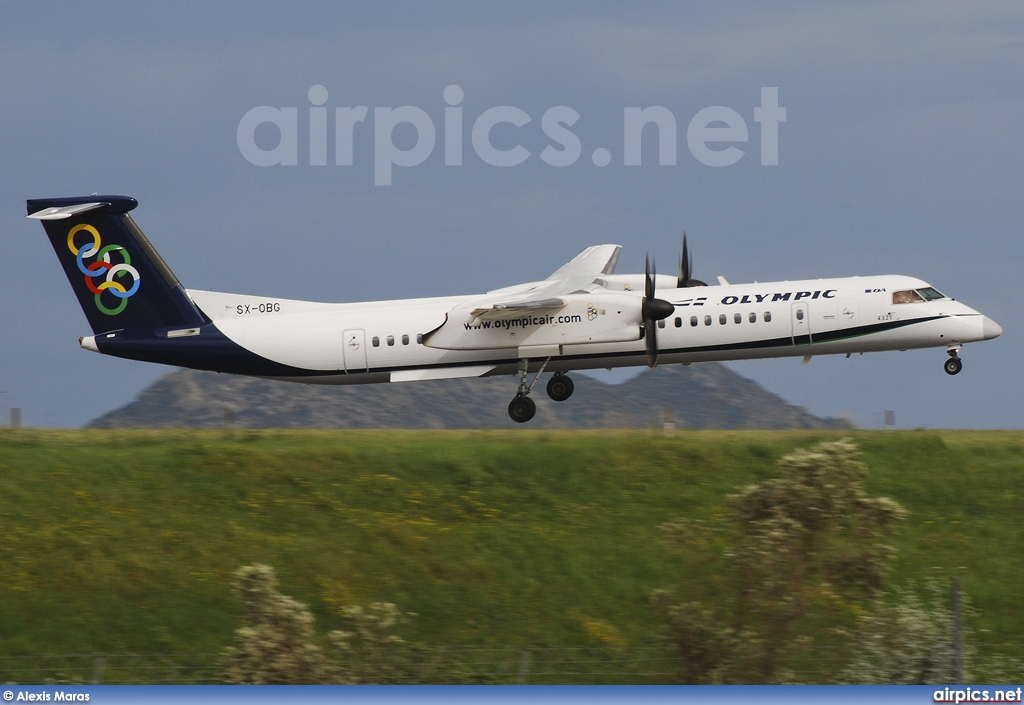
(585, 318)
(637, 282)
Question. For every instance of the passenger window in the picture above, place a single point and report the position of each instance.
(752, 317)
(707, 320)
(376, 342)
(799, 314)
(721, 319)
(767, 316)
(405, 340)
(679, 322)
(738, 318)
(907, 296)
(419, 339)
(661, 323)
(391, 340)
(693, 321)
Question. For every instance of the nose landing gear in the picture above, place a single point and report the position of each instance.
(954, 364)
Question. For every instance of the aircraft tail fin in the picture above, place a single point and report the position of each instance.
(121, 282)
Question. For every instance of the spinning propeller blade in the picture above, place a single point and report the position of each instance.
(686, 269)
(652, 311)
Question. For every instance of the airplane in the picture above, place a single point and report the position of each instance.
(584, 316)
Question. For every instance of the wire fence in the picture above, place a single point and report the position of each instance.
(111, 668)
(414, 665)
(405, 666)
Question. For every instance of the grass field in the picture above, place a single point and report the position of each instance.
(120, 542)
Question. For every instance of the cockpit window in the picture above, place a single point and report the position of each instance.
(908, 296)
(911, 296)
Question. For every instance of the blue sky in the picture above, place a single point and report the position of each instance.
(901, 153)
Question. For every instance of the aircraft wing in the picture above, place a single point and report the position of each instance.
(579, 276)
(593, 261)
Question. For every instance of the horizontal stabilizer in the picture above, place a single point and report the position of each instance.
(62, 212)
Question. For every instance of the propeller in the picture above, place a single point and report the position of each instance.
(652, 311)
(686, 269)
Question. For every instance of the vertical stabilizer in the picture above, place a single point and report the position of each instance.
(121, 282)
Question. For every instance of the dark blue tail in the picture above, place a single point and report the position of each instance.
(119, 279)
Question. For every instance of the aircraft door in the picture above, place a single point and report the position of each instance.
(801, 325)
(355, 350)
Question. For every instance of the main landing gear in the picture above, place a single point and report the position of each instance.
(522, 408)
(560, 387)
(954, 364)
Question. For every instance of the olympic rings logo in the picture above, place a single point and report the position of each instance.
(591, 312)
(103, 267)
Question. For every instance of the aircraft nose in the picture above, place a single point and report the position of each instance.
(990, 329)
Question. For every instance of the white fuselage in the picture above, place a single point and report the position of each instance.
(583, 316)
(384, 341)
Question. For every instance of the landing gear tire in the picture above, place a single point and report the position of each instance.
(953, 366)
(560, 387)
(521, 409)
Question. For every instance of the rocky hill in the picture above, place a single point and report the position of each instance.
(706, 395)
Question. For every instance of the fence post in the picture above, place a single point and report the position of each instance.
(524, 666)
(97, 674)
(958, 638)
